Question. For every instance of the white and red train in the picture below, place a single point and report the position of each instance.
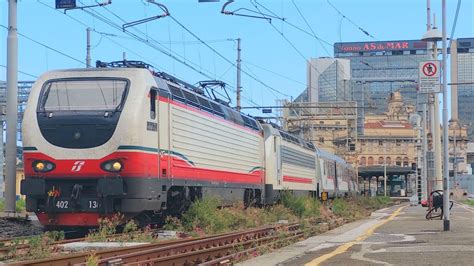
(125, 139)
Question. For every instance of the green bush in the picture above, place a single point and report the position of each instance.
(373, 203)
(20, 205)
(205, 216)
(301, 206)
(340, 207)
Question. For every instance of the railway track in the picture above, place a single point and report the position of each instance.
(207, 250)
(21, 245)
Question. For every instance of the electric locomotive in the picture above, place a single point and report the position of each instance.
(122, 138)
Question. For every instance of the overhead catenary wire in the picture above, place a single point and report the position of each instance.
(309, 26)
(453, 29)
(46, 46)
(22, 72)
(195, 69)
(284, 20)
(149, 42)
(274, 73)
(293, 46)
(226, 59)
(351, 21)
(200, 41)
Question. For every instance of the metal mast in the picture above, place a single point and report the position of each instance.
(88, 53)
(12, 102)
(445, 128)
(239, 85)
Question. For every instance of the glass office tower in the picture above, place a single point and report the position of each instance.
(379, 68)
(462, 77)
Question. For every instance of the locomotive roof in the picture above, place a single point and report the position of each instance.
(329, 156)
(186, 93)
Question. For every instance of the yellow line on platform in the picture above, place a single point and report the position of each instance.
(343, 248)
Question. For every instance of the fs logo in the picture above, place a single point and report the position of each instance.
(77, 166)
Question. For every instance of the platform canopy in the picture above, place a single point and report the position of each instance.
(378, 170)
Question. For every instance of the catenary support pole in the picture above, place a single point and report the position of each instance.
(239, 85)
(12, 105)
(425, 154)
(88, 48)
(385, 178)
(446, 221)
(2, 156)
(455, 161)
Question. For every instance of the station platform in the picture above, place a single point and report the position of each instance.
(399, 235)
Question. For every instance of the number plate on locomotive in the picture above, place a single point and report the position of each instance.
(85, 205)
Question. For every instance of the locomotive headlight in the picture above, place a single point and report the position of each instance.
(39, 166)
(117, 166)
(43, 166)
(112, 166)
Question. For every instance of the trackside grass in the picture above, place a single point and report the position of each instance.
(206, 217)
(469, 202)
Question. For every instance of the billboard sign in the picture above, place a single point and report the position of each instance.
(351, 47)
(428, 73)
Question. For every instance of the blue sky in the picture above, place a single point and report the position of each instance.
(264, 50)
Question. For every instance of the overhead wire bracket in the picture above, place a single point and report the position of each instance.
(234, 13)
(145, 20)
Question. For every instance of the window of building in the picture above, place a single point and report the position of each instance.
(362, 160)
(405, 162)
(399, 143)
(338, 123)
(412, 51)
(389, 161)
(321, 139)
(381, 162)
(398, 161)
(380, 143)
(321, 122)
(370, 161)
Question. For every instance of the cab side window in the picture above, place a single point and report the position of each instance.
(153, 93)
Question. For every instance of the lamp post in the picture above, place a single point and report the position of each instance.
(434, 35)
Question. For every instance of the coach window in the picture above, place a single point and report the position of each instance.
(153, 92)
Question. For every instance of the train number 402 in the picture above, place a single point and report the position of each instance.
(62, 204)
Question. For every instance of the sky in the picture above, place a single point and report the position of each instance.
(273, 54)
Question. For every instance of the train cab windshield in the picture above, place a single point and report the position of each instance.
(83, 95)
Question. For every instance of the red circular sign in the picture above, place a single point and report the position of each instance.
(429, 69)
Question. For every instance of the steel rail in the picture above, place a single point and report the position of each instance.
(188, 246)
(81, 258)
(201, 256)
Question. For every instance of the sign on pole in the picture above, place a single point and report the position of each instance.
(428, 73)
(64, 4)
